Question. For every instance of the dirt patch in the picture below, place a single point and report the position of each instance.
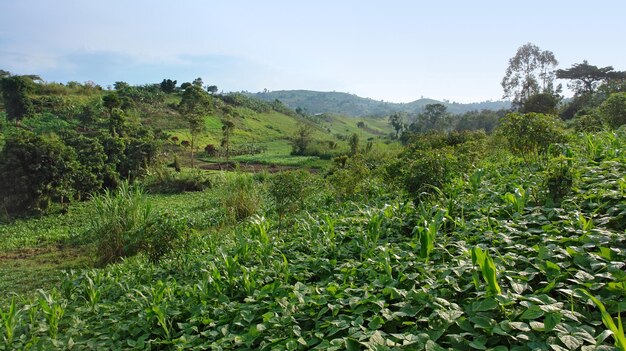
(249, 167)
(47, 254)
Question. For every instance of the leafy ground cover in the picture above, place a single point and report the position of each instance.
(495, 261)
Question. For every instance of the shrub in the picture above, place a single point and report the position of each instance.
(613, 109)
(124, 225)
(241, 197)
(164, 181)
(34, 172)
(558, 179)
(290, 191)
(529, 135)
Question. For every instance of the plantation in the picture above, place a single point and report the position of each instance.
(485, 266)
(160, 217)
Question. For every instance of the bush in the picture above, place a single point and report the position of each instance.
(164, 181)
(241, 198)
(124, 225)
(34, 172)
(529, 135)
(290, 191)
(613, 109)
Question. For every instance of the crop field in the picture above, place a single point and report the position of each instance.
(486, 264)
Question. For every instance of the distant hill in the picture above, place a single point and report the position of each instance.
(352, 105)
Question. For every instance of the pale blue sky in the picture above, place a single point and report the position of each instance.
(388, 50)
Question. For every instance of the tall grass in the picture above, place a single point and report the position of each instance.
(124, 224)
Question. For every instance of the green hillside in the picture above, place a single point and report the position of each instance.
(351, 105)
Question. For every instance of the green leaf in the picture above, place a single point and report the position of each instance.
(352, 345)
(551, 320)
(533, 312)
(570, 341)
(486, 304)
(376, 323)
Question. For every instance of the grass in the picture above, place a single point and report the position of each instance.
(25, 270)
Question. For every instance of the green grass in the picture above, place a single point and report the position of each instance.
(25, 270)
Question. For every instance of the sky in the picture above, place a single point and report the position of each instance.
(396, 51)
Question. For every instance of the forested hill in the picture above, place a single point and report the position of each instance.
(351, 105)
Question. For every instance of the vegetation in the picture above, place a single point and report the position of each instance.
(490, 230)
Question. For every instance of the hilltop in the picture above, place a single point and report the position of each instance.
(315, 102)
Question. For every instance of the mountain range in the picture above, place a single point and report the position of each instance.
(315, 102)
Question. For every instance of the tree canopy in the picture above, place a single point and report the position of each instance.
(586, 78)
(529, 72)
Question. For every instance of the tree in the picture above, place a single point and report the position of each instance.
(613, 109)
(529, 72)
(34, 172)
(120, 85)
(194, 106)
(354, 144)
(301, 140)
(15, 95)
(168, 86)
(228, 127)
(397, 122)
(540, 103)
(434, 117)
(529, 135)
(586, 78)
(212, 89)
(198, 82)
(111, 101)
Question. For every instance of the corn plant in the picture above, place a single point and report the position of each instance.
(9, 321)
(53, 310)
(617, 331)
(427, 232)
(485, 263)
(475, 179)
(517, 199)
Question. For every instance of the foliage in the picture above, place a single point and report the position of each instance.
(241, 197)
(545, 103)
(613, 110)
(165, 181)
(301, 140)
(529, 73)
(194, 106)
(529, 135)
(15, 94)
(559, 179)
(34, 172)
(586, 78)
(351, 275)
(290, 191)
(434, 118)
(168, 86)
(124, 224)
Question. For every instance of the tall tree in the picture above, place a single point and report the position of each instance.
(194, 106)
(302, 139)
(168, 86)
(434, 117)
(228, 127)
(530, 71)
(212, 89)
(15, 95)
(397, 122)
(586, 78)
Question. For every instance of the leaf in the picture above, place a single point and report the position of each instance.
(570, 341)
(533, 312)
(433, 346)
(352, 345)
(551, 320)
(487, 304)
(376, 323)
